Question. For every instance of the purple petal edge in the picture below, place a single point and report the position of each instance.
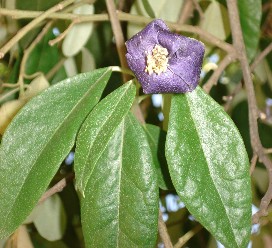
(184, 60)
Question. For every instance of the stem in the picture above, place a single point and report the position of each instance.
(239, 45)
(57, 187)
(198, 8)
(8, 94)
(118, 35)
(187, 236)
(217, 73)
(163, 232)
(186, 11)
(253, 163)
(261, 56)
(55, 69)
(63, 34)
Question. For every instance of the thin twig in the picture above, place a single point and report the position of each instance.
(8, 94)
(187, 236)
(217, 73)
(255, 63)
(204, 35)
(63, 34)
(118, 35)
(55, 69)
(34, 75)
(163, 232)
(231, 96)
(253, 163)
(23, 31)
(186, 11)
(120, 44)
(28, 14)
(198, 8)
(267, 151)
(257, 147)
(121, 4)
(6, 85)
(261, 56)
(57, 187)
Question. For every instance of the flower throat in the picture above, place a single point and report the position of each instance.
(157, 61)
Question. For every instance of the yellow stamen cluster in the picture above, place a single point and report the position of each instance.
(157, 61)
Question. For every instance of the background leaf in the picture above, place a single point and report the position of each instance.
(209, 167)
(43, 139)
(120, 208)
(38, 58)
(161, 9)
(216, 20)
(148, 8)
(36, 4)
(97, 130)
(49, 218)
(79, 34)
(250, 17)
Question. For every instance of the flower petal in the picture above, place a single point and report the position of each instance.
(184, 59)
(172, 41)
(144, 41)
(167, 82)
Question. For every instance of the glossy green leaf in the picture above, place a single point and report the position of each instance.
(250, 17)
(209, 167)
(120, 208)
(156, 139)
(37, 141)
(97, 130)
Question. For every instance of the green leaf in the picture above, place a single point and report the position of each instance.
(37, 141)
(250, 17)
(38, 58)
(97, 130)
(209, 167)
(120, 208)
(36, 4)
(148, 9)
(156, 139)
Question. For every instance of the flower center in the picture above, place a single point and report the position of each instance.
(157, 61)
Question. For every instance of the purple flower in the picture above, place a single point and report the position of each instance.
(164, 62)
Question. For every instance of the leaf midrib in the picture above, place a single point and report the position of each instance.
(120, 178)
